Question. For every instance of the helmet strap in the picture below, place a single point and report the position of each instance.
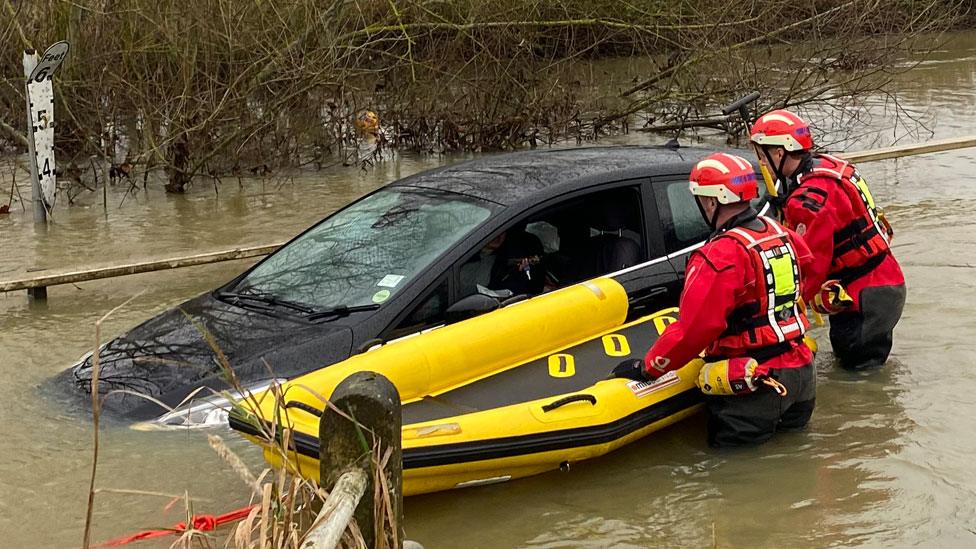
(701, 209)
(780, 175)
(777, 169)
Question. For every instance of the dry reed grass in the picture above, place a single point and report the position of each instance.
(284, 506)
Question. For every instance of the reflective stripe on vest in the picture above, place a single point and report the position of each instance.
(781, 274)
(868, 201)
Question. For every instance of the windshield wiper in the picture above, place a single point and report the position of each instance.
(341, 310)
(267, 299)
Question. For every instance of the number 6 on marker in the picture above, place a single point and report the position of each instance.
(562, 365)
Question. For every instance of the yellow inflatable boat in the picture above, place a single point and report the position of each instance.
(512, 393)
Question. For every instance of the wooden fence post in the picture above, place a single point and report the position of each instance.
(37, 296)
(374, 404)
(333, 519)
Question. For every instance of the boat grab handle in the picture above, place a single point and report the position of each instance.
(304, 407)
(571, 398)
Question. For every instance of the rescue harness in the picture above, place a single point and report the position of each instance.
(773, 323)
(862, 244)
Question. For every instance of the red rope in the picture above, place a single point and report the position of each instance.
(201, 523)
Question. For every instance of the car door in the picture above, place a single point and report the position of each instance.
(653, 284)
(582, 235)
(681, 223)
(578, 236)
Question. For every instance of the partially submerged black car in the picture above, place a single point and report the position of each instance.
(423, 251)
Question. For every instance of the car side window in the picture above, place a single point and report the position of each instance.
(682, 222)
(580, 238)
(427, 314)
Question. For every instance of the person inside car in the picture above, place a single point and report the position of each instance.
(520, 267)
(511, 261)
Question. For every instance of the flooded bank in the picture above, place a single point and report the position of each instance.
(886, 461)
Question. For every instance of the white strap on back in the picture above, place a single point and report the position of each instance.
(839, 172)
(780, 232)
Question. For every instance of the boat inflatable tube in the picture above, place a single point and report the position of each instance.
(512, 393)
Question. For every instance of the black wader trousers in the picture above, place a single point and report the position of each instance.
(753, 418)
(862, 339)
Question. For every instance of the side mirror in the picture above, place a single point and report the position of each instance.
(470, 307)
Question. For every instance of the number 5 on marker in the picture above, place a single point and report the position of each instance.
(562, 365)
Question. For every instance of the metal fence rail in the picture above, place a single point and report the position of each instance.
(935, 146)
(44, 280)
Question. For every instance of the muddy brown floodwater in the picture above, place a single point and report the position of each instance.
(887, 461)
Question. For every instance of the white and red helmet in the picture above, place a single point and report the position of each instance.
(726, 177)
(782, 128)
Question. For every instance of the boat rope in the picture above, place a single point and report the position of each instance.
(200, 523)
(776, 386)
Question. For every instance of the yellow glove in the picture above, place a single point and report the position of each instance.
(832, 298)
(817, 318)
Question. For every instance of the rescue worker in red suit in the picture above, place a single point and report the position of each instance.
(827, 202)
(740, 304)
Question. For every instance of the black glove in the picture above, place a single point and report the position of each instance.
(632, 368)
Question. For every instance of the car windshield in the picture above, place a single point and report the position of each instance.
(365, 253)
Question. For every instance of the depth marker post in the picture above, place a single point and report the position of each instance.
(39, 91)
(40, 213)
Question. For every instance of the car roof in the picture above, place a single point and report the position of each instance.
(509, 179)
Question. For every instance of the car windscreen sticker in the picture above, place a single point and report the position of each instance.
(390, 281)
(644, 388)
(381, 296)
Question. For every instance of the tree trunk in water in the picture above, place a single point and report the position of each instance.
(179, 165)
